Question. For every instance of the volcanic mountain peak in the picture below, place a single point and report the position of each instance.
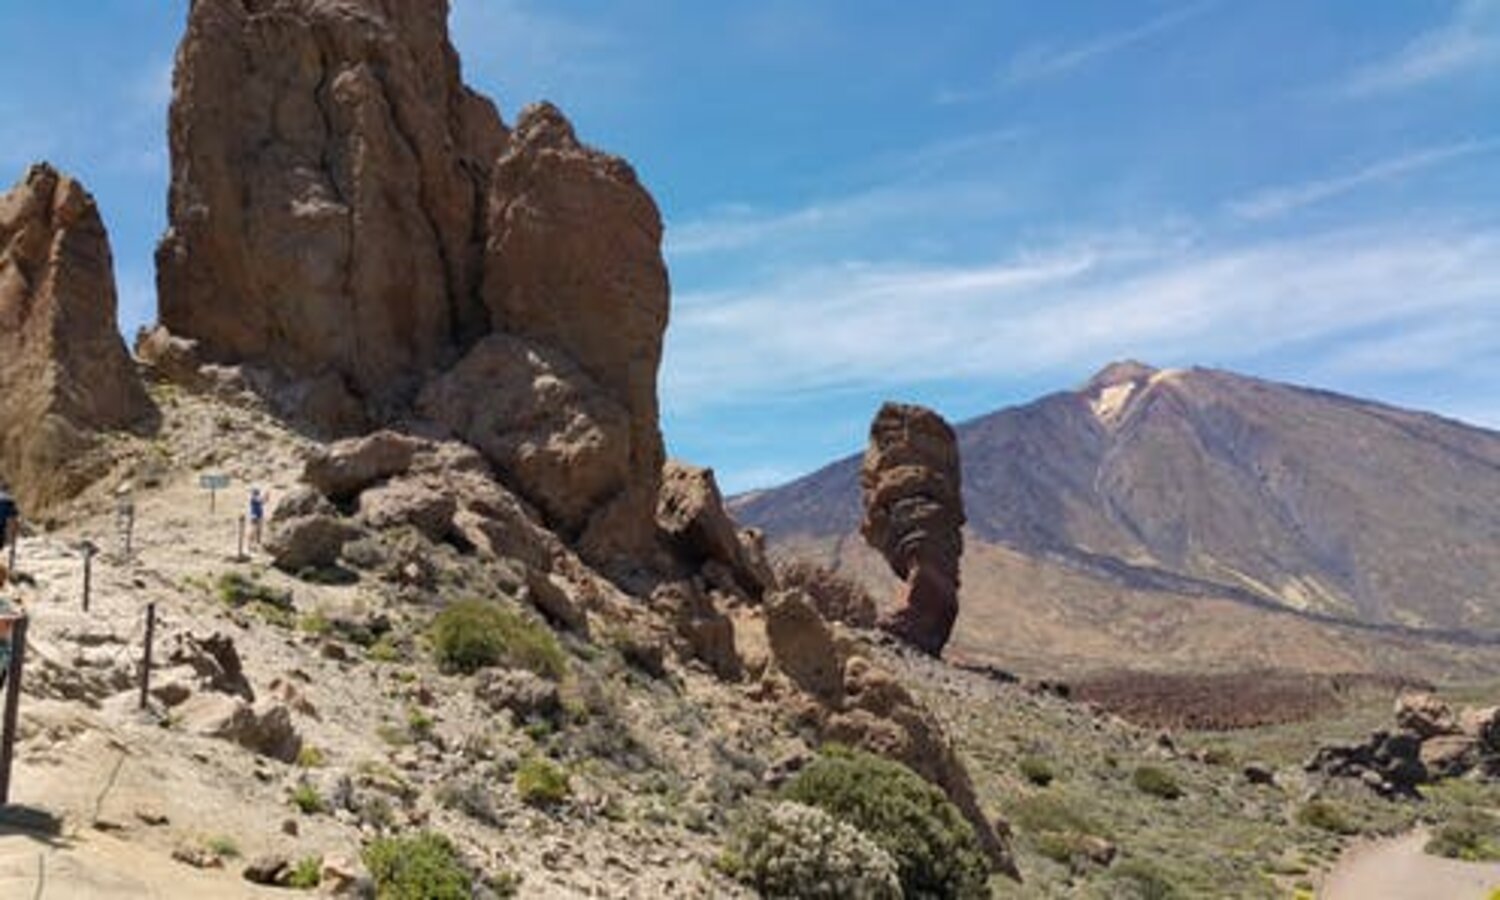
(1112, 392)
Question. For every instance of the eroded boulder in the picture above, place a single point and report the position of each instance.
(913, 516)
(691, 513)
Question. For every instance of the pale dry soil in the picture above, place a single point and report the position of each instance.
(128, 786)
(1397, 869)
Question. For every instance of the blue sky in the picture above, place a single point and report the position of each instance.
(965, 204)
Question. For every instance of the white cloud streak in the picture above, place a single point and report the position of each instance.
(1042, 62)
(1071, 308)
(1279, 201)
(1468, 42)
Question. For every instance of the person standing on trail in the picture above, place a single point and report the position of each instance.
(257, 514)
(10, 517)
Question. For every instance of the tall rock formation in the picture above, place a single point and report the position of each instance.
(351, 220)
(329, 173)
(64, 371)
(914, 516)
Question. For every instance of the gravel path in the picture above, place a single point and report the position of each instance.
(1397, 869)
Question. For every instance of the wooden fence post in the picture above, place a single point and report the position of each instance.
(146, 660)
(88, 572)
(12, 705)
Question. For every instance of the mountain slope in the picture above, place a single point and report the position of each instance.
(1202, 483)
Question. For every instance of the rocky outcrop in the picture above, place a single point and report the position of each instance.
(547, 427)
(65, 375)
(1432, 741)
(690, 512)
(846, 698)
(573, 261)
(913, 516)
(329, 175)
(357, 227)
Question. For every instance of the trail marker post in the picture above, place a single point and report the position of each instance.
(125, 523)
(146, 659)
(12, 702)
(88, 571)
(240, 553)
(213, 484)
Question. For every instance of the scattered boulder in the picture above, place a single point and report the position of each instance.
(341, 470)
(214, 662)
(914, 516)
(307, 532)
(263, 729)
(65, 375)
(272, 870)
(172, 358)
(522, 693)
(1425, 715)
(543, 422)
(407, 501)
(690, 512)
(850, 700)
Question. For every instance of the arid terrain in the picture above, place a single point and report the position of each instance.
(1175, 634)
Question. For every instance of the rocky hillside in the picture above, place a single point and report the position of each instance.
(1147, 499)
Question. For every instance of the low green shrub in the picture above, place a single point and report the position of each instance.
(1327, 816)
(1472, 836)
(541, 782)
(1044, 812)
(307, 799)
(1157, 782)
(306, 874)
(1037, 770)
(1139, 879)
(475, 634)
(935, 849)
(795, 851)
(423, 866)
(238, 590)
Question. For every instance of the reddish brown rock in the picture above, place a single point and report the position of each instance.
(913, 516)
(690, 512)
(850, 700)
(65, 375)
(544, 423)
(329, 175)
(573, 261)
(349, 217)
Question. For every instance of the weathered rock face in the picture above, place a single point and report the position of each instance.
(548, 428)
(348, 216)
(64, 371)
(690, 512)
(573, 261)
(913, 515)
(329, 175)
(847, 699)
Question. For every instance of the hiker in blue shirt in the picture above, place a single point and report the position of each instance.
(257, 514)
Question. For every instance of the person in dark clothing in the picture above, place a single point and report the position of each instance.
(10, 517)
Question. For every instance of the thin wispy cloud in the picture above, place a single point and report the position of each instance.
(1279, 201)
(1070, 309)
(942, 180)
(1040, 62)
(1469, 41)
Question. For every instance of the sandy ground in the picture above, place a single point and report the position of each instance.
(1397, 869)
